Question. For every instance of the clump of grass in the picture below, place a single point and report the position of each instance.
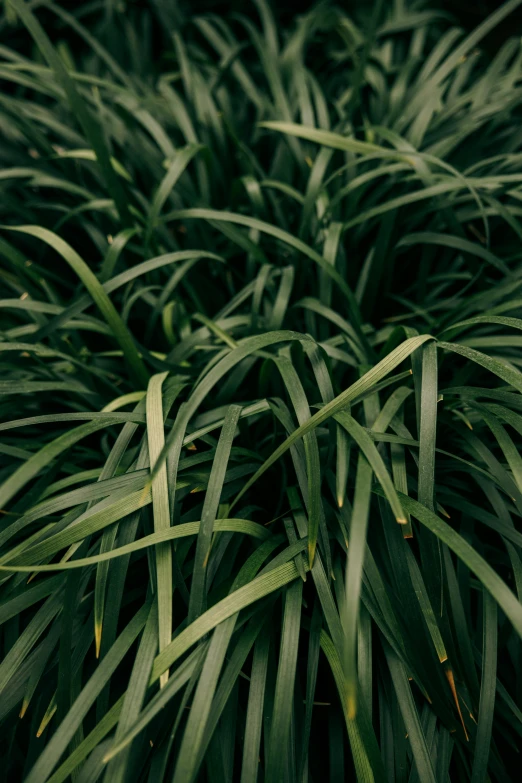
(260, 414)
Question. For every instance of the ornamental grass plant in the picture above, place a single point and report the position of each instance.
(260, 393)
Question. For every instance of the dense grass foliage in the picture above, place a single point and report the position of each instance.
(260, 484)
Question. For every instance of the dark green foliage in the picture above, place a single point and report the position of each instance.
(260, 400)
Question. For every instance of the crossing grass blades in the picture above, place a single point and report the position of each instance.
(261, 481)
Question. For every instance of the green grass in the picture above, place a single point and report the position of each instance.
(260, 395)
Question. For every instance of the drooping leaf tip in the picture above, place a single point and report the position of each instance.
(453, 688)
(97, 638)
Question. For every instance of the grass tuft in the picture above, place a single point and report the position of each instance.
(260, 399)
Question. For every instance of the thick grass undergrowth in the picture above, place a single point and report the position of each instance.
(260, 413)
